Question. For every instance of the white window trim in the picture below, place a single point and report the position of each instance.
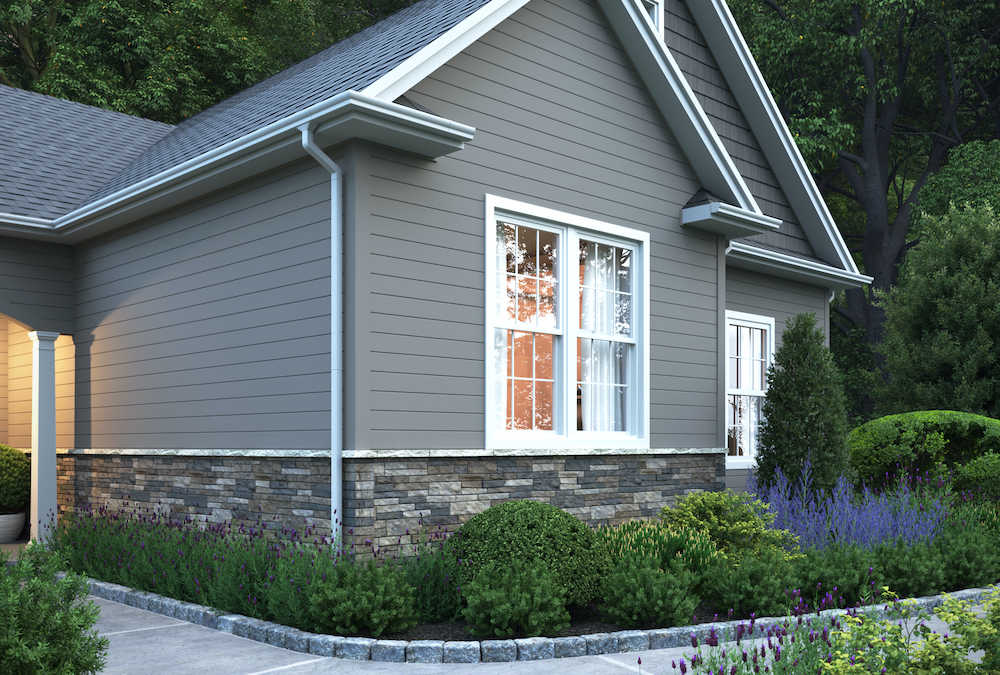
(500, 207)
(751, 321)
(655, 13)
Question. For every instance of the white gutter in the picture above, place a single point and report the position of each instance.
(749, 257)
(336, 334)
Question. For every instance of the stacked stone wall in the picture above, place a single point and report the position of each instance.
(291, 493)
(386, 501)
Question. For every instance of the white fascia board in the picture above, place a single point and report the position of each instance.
(677, 103)
(341, 118)
(738, 66)
(413, 70)
(728, 220)
(26, 227)
(772, 263)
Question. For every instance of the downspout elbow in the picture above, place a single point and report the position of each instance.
(336, 334)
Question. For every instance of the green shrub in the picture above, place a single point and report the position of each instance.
(46, 620)
(363, 597)
(517, 597)
(737, 523)
(530, 531)
(15, 479)
(693, 548)
(918, 442)
(761, 583)
(910, 570)
(804, 414)
(982, 473)
(638, 593)
(848, 568)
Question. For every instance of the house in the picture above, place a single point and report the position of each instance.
(484, 249)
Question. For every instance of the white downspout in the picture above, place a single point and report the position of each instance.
(336, 335)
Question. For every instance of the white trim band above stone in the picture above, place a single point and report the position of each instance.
(388, 454)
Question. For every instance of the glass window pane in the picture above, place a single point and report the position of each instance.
(523, 404)
(623, 314)
(543, 405)
(547, 304)
(523, 355)
(603, 385)
(624, 276)
(507, 244)
(527, 251)
(547, 252)
(543, 356)
(509, 308)
(527, 299)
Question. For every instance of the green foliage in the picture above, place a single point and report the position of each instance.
(516, 597)
(981, 474)
(737, 523)
(760, 582)
(432, 571)
(913, 570)
(848, 568)
(15, 479)
(804, 410)
(942, 336)
(692, 547)
(166, 59)
(970, 177)
(363, 596)
(46, 621)
(639, 593)
(970, 552)
(918, 442)
(869, 644)
(530, 531)
(855, 359)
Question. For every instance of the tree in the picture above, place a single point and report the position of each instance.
(971, 176)
(167, 59)
(877, 92)
(804, 413)
(942, 347)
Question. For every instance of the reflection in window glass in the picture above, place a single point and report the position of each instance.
(748, 361)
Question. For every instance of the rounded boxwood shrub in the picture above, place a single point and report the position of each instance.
(528, 531)
(916, 442)
(15, 479)
(639, 593)
(982, 473)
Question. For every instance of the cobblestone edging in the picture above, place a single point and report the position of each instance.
(439, 651)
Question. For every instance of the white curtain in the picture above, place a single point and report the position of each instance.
(603, 362)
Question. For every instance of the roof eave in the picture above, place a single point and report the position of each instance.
(731, 52)
(729, 221)
(749, 257)
(676, 101)
(344, 117)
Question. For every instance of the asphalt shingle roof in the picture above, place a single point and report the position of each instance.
(351, 64)
(56, 153)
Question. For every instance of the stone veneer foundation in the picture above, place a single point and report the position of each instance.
(386, 499)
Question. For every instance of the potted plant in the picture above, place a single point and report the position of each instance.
(15, 491)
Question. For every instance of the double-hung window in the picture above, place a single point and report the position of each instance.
(567, 361)
(749, 343)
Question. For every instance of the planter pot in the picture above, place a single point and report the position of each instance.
(11, 525)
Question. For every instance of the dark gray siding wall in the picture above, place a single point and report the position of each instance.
(688, 48)
(562, 121)
(36, 284)
(779, 298)
(209, 327)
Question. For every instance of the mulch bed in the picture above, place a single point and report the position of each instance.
(583, 621)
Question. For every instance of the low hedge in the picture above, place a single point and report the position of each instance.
(917, 442)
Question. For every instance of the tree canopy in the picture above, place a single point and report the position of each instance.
(942, 345)
(166, 59)
(876, 93)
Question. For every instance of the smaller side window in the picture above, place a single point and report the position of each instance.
(749, 349)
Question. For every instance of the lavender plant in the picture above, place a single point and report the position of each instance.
(259, 571)
(866, 520)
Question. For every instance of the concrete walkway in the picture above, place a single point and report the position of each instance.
(144, 642)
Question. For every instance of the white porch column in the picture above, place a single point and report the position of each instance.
(43, 432)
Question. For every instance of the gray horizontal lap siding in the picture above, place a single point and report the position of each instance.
(694, 59)
(778, 298)
(36, 284)
(209, 327)
(562, 121)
